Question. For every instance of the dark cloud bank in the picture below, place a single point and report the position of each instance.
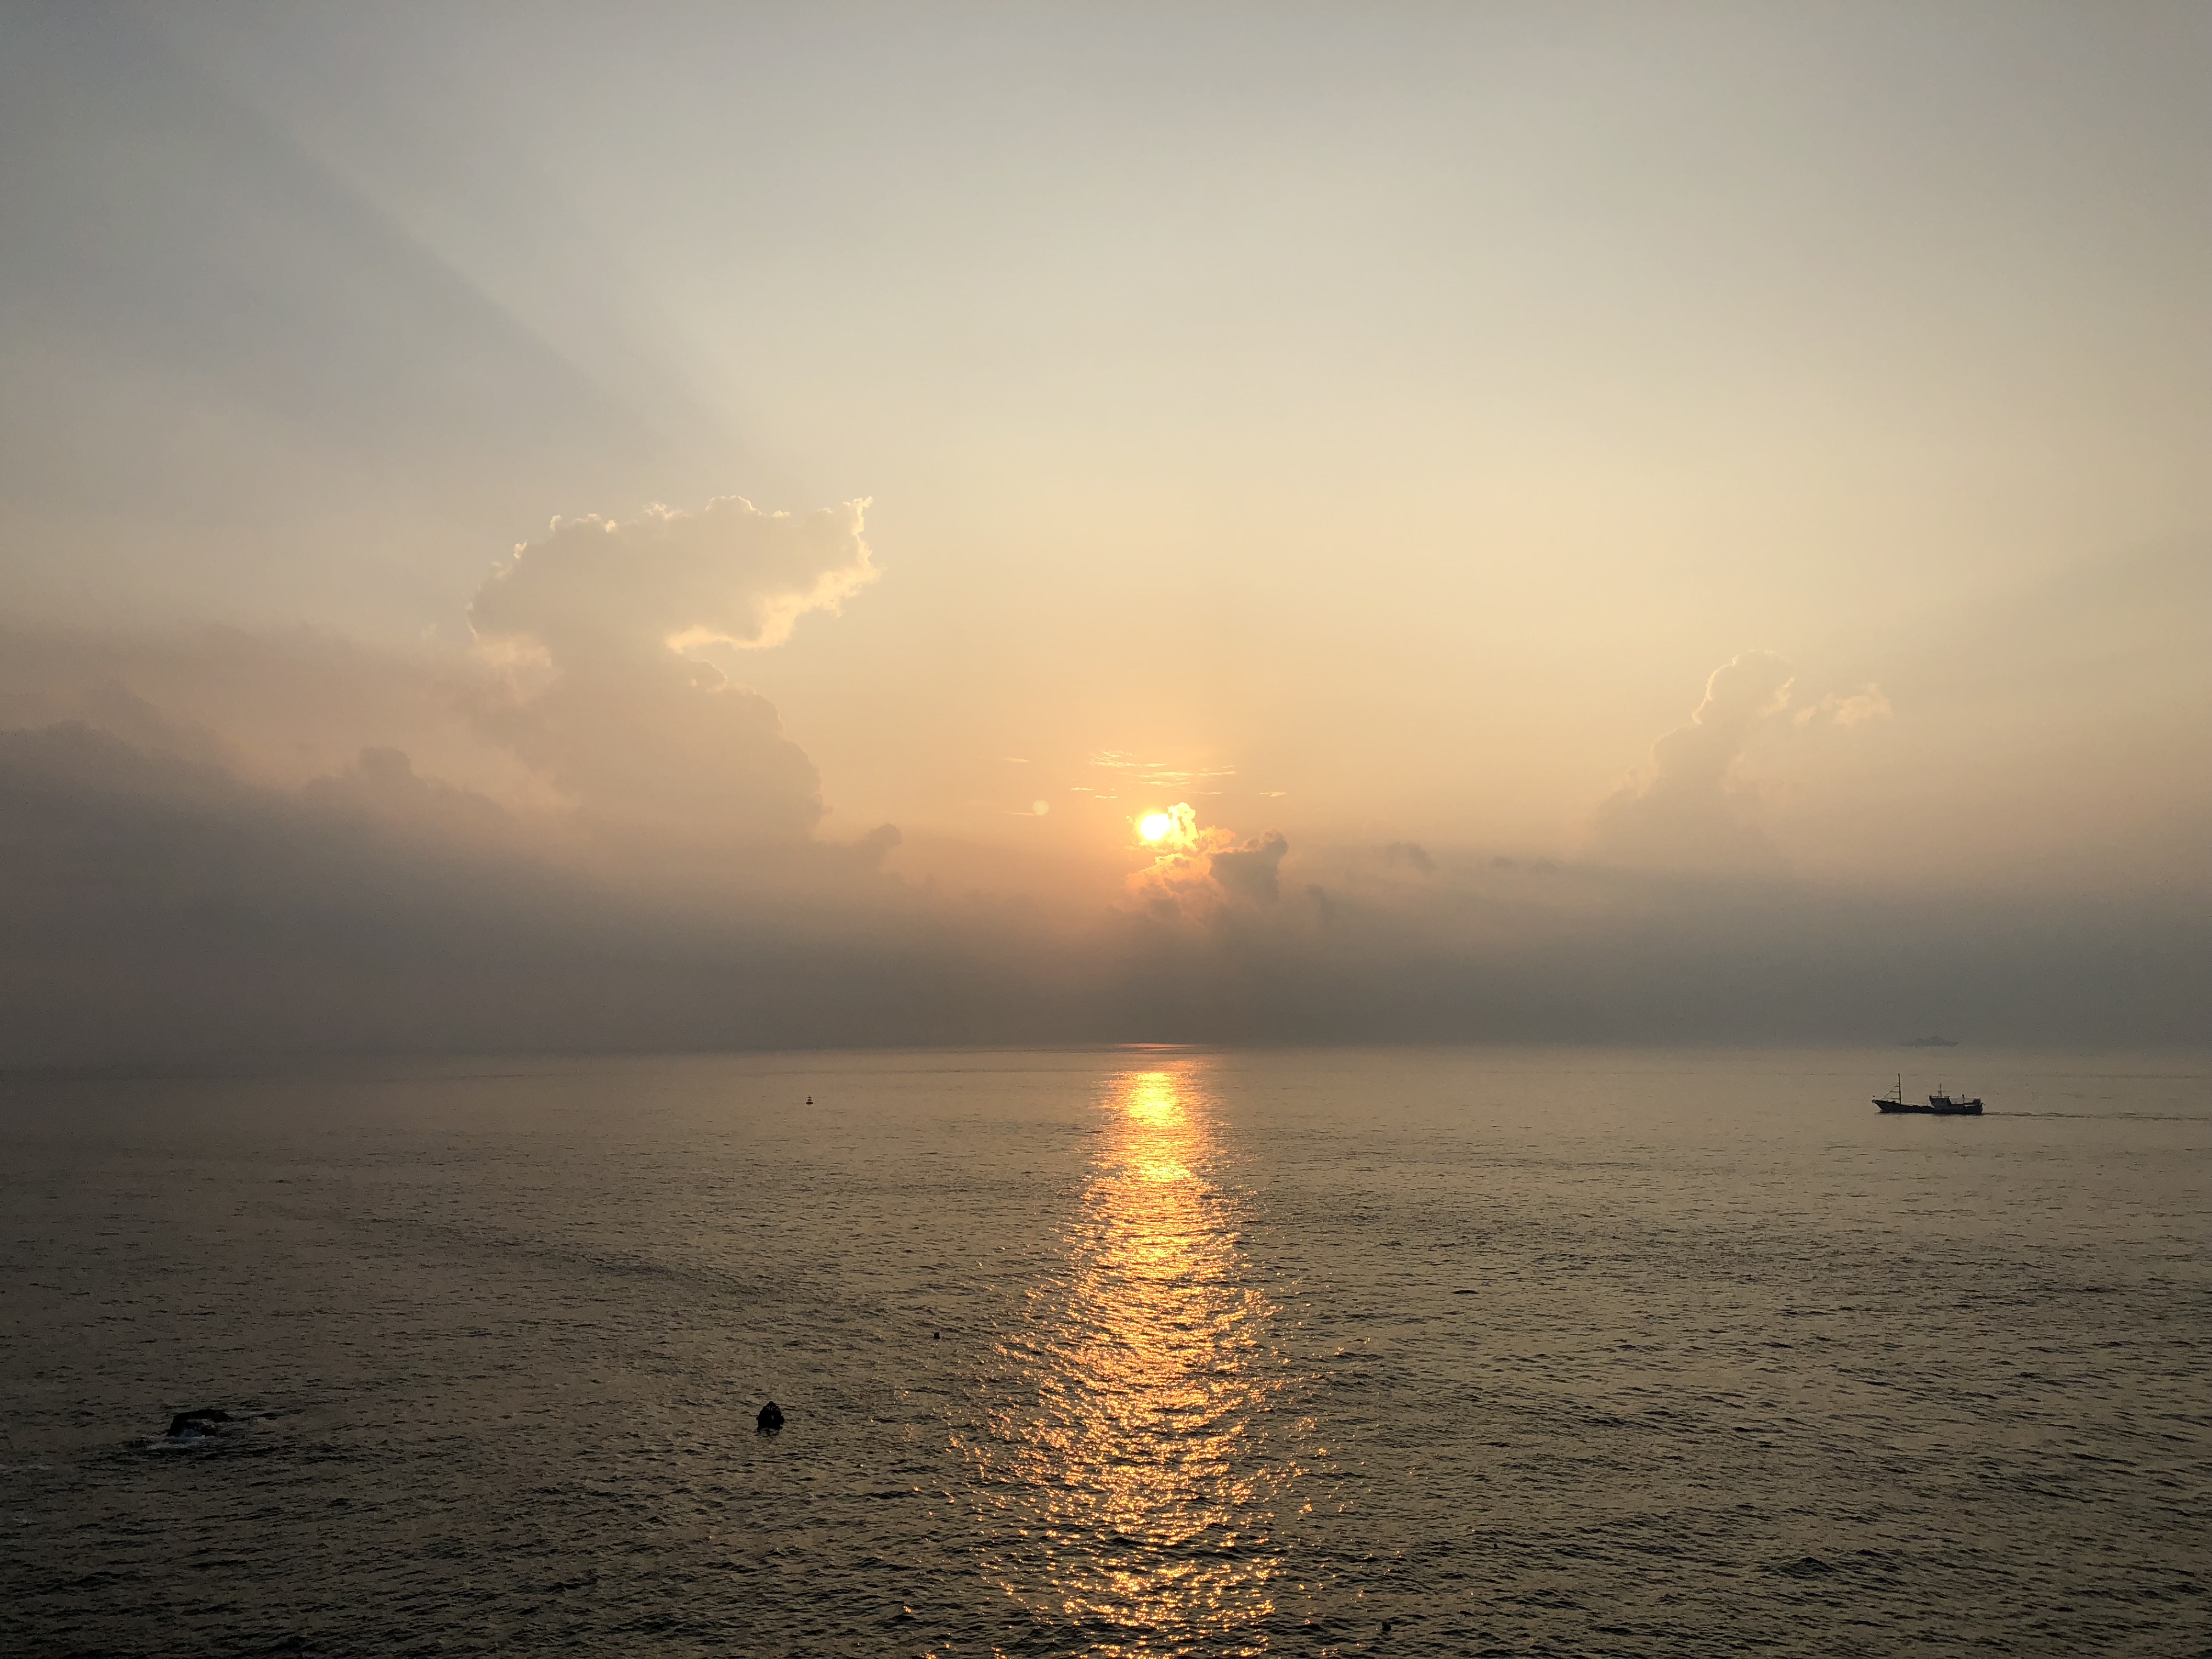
(155, 907)
(578, 836)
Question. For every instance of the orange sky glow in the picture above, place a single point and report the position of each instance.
(1380, 497)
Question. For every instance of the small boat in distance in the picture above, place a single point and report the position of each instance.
(1940, 1104)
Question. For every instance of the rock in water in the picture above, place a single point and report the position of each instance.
(771, 1419)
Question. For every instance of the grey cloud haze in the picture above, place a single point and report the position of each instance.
(159, 907)
(225, 839)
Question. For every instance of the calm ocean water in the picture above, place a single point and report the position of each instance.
(1126, 1352)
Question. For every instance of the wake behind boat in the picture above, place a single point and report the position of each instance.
(1939, 1104)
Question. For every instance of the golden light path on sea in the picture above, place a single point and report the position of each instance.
(1132, 1484)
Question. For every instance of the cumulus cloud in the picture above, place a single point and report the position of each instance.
(1696, 805)
(1412, 853)
(1841, 710)
(381, 786)
(1691, 806)
(1198, 869)
(645, 739)
(661, 747)
(1248, 871)
(728, 573)
(581, 717)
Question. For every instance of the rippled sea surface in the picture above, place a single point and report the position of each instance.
(1122, 1352)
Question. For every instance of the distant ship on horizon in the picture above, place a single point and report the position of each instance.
(1930, 1043)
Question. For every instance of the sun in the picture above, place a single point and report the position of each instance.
(1154, 825)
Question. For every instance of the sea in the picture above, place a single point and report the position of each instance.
(1124, 1351)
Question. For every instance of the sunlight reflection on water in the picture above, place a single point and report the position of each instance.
(1179, 1354)
(1130, 1482)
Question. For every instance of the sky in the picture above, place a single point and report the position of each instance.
(542, 525)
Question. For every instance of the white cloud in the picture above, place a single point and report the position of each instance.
(1690, 807)
(1697, 804)
(728, 573)
(644, 741)
(1841, 710)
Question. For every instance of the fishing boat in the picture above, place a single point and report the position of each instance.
(1940, 1104)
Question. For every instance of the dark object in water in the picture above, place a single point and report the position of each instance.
(196, 1423)
(1939, 1105)
(771, 1419)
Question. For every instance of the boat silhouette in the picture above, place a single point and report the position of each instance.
(1940, 1104)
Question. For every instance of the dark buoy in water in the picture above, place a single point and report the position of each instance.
(196, 1423)
(771, 1419)
(810, 1100)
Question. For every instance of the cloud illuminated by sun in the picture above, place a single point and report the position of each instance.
(1168, 831)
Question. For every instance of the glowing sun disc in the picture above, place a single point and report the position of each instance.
(1154, 825)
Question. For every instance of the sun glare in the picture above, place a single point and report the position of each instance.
(1154, 825)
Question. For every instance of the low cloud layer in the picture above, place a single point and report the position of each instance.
(155, 907)
(579, 836)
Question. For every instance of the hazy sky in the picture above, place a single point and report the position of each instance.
(1746, 463)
